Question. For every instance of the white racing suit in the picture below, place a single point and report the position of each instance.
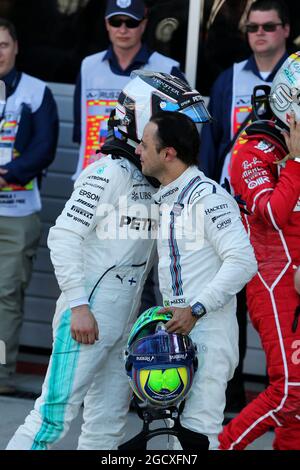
(101, 249)
(204, 256)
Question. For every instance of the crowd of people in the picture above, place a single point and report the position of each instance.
(193, 189)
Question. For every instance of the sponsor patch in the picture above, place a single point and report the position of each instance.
(177, 209)
(246, 164)
(172, 191)
(138, 223)
(89, 195)
(85, 203)
(177, 301)
(223, 224)
(265, 147)
(216, 208)
(258, 182)
(216, 217)
(101, 170)
(81, 211)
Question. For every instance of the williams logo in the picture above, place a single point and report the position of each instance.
(145, 358)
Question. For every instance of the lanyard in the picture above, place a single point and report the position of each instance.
(10, 91)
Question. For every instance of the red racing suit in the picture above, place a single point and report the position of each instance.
(271, 193)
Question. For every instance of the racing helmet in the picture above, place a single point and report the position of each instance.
(160, 365)
(150, 92)
(285, 90)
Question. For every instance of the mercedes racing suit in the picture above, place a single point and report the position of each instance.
(101, 249)
(204, 256)
(271, 193)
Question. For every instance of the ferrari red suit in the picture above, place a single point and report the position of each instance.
(271, 193)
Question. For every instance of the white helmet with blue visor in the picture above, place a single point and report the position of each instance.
(149, 92)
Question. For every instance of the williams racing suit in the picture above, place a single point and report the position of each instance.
(101, 249)
(271, 193)
(204, 256)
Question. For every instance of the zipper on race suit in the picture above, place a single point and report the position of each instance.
(296, 318)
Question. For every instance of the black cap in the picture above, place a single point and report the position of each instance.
(133, 8)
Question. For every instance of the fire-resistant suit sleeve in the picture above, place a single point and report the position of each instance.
(254, 177)
(224, 230)
(96, 186)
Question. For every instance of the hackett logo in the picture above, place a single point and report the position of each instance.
(216, 208)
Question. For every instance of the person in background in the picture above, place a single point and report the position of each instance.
(267, 29)
(102, 248)
(103, 75)
(204, 260)
(265, 175)
(28, 138)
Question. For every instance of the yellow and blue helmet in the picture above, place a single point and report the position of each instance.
(160, 365)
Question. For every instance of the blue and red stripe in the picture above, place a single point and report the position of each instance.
(175, 266)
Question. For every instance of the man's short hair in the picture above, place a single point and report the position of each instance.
(177, 130)
(6, 24)
(279, 5)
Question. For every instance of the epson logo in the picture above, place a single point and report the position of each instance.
(89, 195)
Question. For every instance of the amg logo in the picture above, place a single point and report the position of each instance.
(89, 195)
(138, 223)
(80, 211)
(93, 185)
(2, 352)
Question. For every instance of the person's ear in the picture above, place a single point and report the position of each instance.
(171, 153)
(287, 29)
(143, 25)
